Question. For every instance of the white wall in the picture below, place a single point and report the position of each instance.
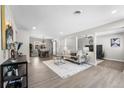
(4, 53)
(82, 42)
(71, 44)
(116, 53)
(23, 36)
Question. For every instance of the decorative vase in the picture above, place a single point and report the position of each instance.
(13, 56)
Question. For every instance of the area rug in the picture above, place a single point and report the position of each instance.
(66, 70)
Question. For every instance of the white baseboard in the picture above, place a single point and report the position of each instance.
(100, 61)
(91, 64)
(114, 59)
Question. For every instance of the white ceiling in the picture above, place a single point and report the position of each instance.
(53, 19)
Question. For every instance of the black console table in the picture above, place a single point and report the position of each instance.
(14, 74)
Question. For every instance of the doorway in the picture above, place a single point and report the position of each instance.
(42, 48)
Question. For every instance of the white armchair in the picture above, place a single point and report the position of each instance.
(82, 57)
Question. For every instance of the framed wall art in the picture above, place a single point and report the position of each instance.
(115, 42)
(6, 30)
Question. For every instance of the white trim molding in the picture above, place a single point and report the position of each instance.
(114, 59)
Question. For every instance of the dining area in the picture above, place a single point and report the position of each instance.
(42, 48)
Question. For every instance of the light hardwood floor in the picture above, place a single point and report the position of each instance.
(106, 74)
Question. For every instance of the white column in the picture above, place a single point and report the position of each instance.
(76, 43)
(65, 45)
(95, 38)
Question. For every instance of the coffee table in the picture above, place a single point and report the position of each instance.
(59, 60)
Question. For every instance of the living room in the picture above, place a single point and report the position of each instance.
(60, 43)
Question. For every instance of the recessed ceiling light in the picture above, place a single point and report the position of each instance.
(61, 33)
(114, 11)
(78, 12)
(34, 27)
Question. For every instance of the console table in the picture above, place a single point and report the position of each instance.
(14, 74)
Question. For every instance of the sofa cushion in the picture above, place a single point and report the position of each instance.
(73, 54)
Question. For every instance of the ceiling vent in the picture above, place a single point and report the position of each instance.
(77, 12)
